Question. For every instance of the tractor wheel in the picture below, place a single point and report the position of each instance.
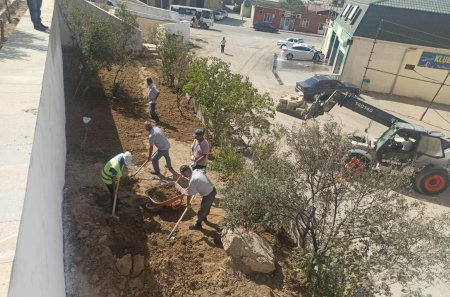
(289, 56)
(432, 181)
(356, 164)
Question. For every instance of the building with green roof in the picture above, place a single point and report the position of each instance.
(399, 47)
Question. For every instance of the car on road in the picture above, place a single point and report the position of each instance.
(323, 85)
(225, 13)
(288, 42)
(266, 27)
(218, 15)
(302, 51)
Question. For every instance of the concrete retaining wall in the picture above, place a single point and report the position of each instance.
(38, 269)
(182, 28)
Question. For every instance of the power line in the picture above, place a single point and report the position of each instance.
(409, 77)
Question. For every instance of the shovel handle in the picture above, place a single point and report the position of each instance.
(142, 166)
(116, 193)
(181, 217)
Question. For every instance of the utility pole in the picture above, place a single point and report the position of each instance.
(435, 95)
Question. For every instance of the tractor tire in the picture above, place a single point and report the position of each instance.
(432, 181)
(289, 56)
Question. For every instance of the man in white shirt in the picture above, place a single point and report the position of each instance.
(199, 183)
(156, 138)
(152, 97)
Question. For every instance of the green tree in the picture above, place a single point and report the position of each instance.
(355, 235)
(231, 106)
(175, 60)
(103, 42)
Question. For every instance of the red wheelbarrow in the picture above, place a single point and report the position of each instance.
(158, 196)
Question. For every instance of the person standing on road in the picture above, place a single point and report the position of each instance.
(156, 138)
(199, 183)
(222, 45)
(112, 172)
(199, 150)
(35, 13)
(152, 97)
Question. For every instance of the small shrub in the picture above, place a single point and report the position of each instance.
(228, 162)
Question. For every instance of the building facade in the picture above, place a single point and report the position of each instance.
(211, 4)
(308, 22)
(398, 47)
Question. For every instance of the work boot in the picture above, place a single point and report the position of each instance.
(195, 227)
(155, 173)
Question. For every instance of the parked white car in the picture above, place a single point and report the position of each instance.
(225, 13)
(288, 42)
(302, 51)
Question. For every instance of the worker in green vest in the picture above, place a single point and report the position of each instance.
(112, 172)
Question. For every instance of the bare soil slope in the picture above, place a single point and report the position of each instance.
(194, 263)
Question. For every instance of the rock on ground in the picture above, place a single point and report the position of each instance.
(124, 265)
(249, 252)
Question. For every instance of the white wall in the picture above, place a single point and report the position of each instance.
(182, 28)
(392, 57)
(38, 269)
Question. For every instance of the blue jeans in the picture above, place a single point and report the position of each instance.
(153, 114)
(157, 156)
(35, 11)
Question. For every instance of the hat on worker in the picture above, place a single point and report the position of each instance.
(128, 158)
(198, 132)
(183, 168)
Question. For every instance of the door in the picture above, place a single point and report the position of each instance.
(321, 28)
(285, 23)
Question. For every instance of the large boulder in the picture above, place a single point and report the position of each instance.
(248, 251)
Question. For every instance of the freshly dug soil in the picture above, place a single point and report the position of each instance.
(194, 263)
(163, 193)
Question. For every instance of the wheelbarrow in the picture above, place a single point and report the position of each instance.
(156, 203)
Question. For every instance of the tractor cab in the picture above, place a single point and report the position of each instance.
(404, 142)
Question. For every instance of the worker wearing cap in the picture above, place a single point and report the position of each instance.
(199, 150)
(112, 172)
(199, 183)
(156, 138)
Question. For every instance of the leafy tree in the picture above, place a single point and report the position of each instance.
(231, 106)
(175, 60)
(354, 234)
(102, 41)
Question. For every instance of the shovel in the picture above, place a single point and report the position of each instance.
(182, 216)
(142, 166)
(115, 199)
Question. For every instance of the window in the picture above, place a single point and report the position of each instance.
(346, 10)
(267, 18)
(352, 12)
(304, 23)
(298, 16)
(355, 17)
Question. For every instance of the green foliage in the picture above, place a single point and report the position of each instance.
(103, 41)
(355, 235)
(228, 162)
(231, 106)
(175, 59)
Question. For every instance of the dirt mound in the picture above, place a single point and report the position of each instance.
(131, 256)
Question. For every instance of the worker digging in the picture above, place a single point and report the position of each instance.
(111, 174)
(157, 138)
(199, 183)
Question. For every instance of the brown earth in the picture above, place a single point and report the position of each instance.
(194, 262)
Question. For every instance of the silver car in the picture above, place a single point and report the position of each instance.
(288, 42)
(302, 51)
